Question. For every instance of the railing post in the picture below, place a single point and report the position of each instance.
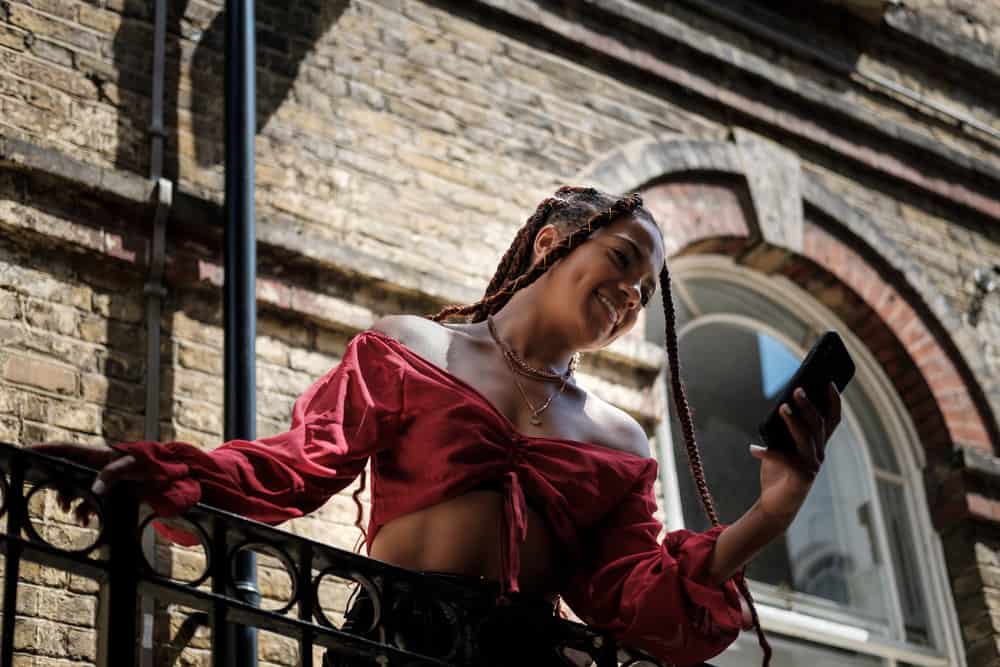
(223, 647)
(118, 602)
(16, 516)
(306, 602)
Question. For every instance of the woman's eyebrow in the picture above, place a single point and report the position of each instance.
(635, 246)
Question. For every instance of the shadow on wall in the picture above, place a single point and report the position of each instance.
(194, 74)
(73, 340)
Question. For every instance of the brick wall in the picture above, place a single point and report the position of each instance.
(976, 21)
(72, 364)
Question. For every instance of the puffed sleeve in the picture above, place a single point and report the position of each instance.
(651, 595)
(345, 417)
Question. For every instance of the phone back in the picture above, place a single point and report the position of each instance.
(827, 361)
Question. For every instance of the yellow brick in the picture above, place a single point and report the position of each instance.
(100, 19)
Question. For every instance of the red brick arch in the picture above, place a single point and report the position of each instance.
(706, 210)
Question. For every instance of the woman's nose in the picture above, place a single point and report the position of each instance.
(633, 294)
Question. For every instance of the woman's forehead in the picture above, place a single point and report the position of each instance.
(642, 231)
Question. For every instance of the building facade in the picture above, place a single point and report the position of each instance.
(813, 166)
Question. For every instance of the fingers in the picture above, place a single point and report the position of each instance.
(820, 425)
(84, 511)
(124, 468)
(802, 438)
(119, 470)
(815, 422)
(833, 414)
(74, 500)
(763, 453)
(103, 458)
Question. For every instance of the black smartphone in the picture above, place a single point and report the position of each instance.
(827, 361)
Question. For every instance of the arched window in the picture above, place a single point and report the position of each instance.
(853, 580)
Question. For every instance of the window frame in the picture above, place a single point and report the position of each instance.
(781, 613)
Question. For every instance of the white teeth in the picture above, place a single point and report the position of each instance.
(611, 309)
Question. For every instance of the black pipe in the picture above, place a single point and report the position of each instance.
(154, 293)
(240, 286)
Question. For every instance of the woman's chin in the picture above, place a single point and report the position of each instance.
(602, 333)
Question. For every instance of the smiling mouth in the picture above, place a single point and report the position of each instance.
(612, 312)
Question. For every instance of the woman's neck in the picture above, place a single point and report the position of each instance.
(522, 326)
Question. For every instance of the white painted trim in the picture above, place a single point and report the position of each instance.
(669, 484)
(803, 626)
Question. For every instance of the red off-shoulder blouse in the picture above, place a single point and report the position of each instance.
(431, 437)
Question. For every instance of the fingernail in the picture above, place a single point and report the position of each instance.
(99, 487)
(785, 410)
(757, 448)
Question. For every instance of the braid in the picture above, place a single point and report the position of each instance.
(694, 456)
(680, 400)
(514, 260)
(503, 287)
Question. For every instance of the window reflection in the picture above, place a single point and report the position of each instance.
(831, 549)
(857, 534)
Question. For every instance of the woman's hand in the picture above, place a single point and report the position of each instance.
(785, 480)
(112, 466)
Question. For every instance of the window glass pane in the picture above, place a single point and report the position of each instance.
(655, 321)
(903, 548)
(830, 551)
(788, 652)
(871, 425)
(717, 296)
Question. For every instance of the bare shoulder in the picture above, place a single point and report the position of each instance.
(401, 327)
(427, 338)
(620, 429)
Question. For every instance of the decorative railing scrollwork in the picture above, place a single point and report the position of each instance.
(110, 553)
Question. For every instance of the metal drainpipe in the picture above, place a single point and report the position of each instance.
(154, 292)
(240, 304)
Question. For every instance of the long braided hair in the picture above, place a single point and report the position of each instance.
(579, 212)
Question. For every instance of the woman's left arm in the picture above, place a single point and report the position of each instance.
(785, 482)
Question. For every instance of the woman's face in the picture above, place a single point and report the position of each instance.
(599, 288)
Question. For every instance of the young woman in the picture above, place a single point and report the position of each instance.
(491, 464)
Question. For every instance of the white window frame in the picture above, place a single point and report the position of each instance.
(786, 616)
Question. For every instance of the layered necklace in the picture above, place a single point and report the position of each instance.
(519, 366)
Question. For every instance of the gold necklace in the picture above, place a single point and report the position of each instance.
(521, 366)
(512, 363)
(536, 412)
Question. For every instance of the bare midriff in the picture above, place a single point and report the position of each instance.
(462, 536)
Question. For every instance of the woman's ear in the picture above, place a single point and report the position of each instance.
(547, 238)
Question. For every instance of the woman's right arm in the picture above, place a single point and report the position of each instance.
(341, 420)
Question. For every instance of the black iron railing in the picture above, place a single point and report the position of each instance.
(113, 557)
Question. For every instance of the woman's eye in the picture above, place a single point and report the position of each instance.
(620, 257)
